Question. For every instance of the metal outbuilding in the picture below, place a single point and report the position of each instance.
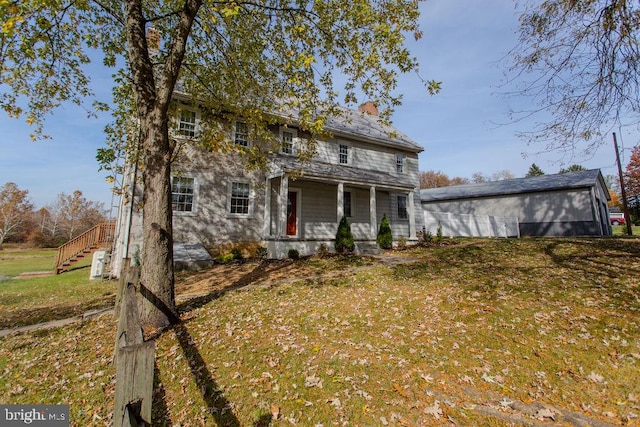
(568, 204)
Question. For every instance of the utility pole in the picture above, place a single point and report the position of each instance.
(625, 209)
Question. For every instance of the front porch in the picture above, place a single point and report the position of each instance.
(303, 212)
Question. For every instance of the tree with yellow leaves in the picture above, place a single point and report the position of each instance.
(231, 58)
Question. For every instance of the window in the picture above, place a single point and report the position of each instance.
(187, 124)
(287, 137)
(182, 194)
(344, 154)
(242, 134)
(402, 207)
(347, 204)
(240, 196)
(400, 163)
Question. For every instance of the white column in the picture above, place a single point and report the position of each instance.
(412, 216)
(284, 199)
(266, 228)
(373, 217)
(340, 210)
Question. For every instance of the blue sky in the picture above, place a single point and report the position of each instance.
(463, 46)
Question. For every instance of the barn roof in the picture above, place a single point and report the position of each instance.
(563, 181)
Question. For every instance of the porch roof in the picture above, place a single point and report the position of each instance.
(320, 171)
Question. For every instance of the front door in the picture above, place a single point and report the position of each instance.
(292, 214)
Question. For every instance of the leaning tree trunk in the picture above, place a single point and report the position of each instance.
(157, 278)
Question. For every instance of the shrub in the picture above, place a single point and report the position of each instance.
(426, 235)
(294, 254)
(402, 243)
(261, 252)
(323, 250)
(237, 254)
(224, 258)
(344, 237)
(439, 231)
(384, 239)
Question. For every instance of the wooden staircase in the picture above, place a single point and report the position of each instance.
(99, 237)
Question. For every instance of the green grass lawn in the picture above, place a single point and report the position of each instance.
(14, 261)
(26, 301)
(492, 332)
(621, 230)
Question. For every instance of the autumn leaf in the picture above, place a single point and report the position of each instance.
(545, 413)
(313, 381)
(434, 410)
(275, 411)
(401, 391)
(596, 378)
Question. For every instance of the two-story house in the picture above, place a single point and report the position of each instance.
(362, 171)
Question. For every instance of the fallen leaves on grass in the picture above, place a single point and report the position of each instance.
(462, 336)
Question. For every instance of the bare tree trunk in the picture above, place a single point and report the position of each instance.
(153, 91)
(157, 285)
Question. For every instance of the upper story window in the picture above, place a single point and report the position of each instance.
(242, 134)
(400, 163)
(287, 140)
(187, 123)
(239, 198)
(402, 207)
(182, 194)
(343, 154)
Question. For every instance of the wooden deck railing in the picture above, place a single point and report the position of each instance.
(99, 236)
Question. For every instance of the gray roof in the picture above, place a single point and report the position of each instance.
(352, 123)
(349, 123)
(341, 173)
(360, 126)
(581, 179)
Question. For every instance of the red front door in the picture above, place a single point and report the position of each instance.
(292, 215)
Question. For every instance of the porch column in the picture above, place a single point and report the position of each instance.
(340, 210)
(283, 200)
(373, 217)
(266, 227)
(412, 216)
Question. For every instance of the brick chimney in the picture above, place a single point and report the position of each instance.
(369, 108)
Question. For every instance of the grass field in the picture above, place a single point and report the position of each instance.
(490, 332)
(26, 301)
(620, 230)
